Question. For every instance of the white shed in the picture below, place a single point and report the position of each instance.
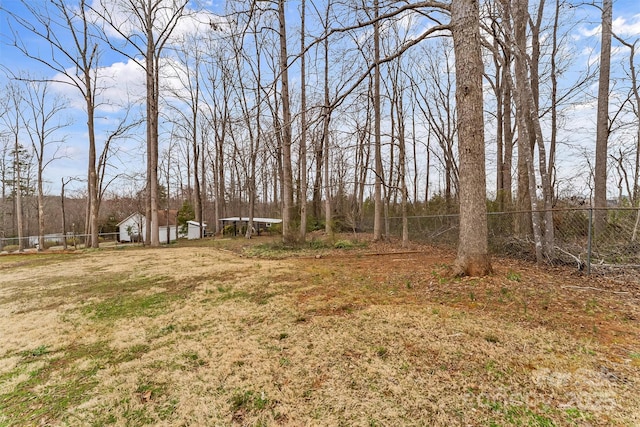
(193, 230)
(133, 228)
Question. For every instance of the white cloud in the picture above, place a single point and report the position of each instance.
(117, 85)
(627, 28)
(123, 84)
(124, 22)
(622, 26)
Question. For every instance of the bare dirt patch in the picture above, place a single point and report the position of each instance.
(366, 334)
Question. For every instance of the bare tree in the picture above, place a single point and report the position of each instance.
(217, 115)
(187, 95)
(527, 104)
(437, 105)
(473, 251)
(303, 124)
(326, 119)
(634, 187)
(602, 123)
(12, 121)
(287, 184)
(64, 183)
(146, 26)
(74, 55)
(501, 84)
(42, 122)
(378, 208)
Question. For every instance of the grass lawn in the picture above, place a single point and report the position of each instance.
(338, 332)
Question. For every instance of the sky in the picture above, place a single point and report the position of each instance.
(127, 78)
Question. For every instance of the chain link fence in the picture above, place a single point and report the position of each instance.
(54, 241)
(617, 244)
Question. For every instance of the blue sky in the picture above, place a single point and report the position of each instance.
(128, 77)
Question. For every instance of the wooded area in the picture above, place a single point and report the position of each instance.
(326, 114)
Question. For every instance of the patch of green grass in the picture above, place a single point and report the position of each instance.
(132, 353)
(249, 401)
(284, 362)
(233, 295)
(34, 260)
(317, 244)
(136, 416)
(382, 352)
(166, 330)
(505, 295)
(154, 388)
(222, 289)
(513, 276)
(259, 297)
(494, 370)
(113, 285)
(36, 352)
(520, 415)
(127, 306)
(167, 409)
(41, 398)
(344, 244)
(193, 360)
(273, 250)
(592, 306)
(575, 415)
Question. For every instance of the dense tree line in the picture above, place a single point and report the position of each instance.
(335, 114)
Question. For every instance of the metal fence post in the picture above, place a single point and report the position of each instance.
(589, 239)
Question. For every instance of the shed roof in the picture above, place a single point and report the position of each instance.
(162, 217)
(129, 217)
(196, 224)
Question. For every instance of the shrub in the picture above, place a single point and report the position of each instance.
(228, 230)
(10, 248)
(185, 213)
(50, 243)
(343, 244)
(275, 228)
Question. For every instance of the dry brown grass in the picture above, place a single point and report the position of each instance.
(368, 335)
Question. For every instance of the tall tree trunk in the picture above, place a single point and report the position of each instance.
(506, 166)
(551, 171)
(92, 173)
(287, 174)
(195, 95)
(303, 127)
(325, 135)
(40, 198)
(17, 166)
(530, 130)
(153, 102)
(473, 251)
(377, 219)
(64, 218)
(523, 220)
(602, 124)
(403, 168)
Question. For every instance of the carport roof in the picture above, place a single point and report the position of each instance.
(255, 219)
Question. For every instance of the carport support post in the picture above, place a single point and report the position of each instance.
(589, 237)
